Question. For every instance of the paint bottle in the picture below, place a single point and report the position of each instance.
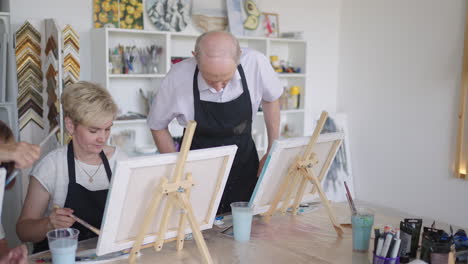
(293, 99)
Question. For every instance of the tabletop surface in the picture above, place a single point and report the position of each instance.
(305, 238)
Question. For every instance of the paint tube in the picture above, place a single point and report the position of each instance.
(406, 233)
(416, 223)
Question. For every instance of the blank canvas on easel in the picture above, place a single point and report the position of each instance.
(135, 181)
(282, 155)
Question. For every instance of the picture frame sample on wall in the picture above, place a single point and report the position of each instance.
(270, 25)
(137, 179)
(167, 15)
(118, 14)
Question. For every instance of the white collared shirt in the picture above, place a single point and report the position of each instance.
(174, 99)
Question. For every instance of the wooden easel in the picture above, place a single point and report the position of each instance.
(300, 173)
(178, 194)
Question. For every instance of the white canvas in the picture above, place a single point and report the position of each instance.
(136, 179)
(282, 155)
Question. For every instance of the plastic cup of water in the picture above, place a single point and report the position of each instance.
(63, 243)
(242, 220)
(362, 223)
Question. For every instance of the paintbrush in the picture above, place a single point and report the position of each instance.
(49, 136)
(83, 222)
(350, 200)
(15, 172)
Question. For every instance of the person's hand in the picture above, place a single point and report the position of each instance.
(260, 165)
(18, 255)
(60, 218)
(23, 154)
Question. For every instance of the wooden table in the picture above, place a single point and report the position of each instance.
(306, 238)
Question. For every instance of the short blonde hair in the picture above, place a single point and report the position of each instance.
(88, 103)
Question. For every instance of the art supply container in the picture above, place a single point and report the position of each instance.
(382, 260)
(362, 223)
(63, 243)
(242, 220)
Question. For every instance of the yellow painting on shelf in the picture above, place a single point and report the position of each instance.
(118, 14)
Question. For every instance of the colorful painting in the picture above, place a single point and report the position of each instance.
(118, 13)
(270, 25)
(245, 19)
(167, 15)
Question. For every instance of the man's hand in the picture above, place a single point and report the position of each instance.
(23, 154)
(18, 255)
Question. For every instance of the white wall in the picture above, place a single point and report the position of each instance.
(399, 79)
(320, 21)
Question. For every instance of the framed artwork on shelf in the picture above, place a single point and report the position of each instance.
(270, 25)
(118, 14)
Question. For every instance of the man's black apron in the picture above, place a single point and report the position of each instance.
(220, 124)
(87, 205)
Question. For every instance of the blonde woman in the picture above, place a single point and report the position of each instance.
(75, 177)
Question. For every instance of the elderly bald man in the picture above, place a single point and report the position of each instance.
(220, 88)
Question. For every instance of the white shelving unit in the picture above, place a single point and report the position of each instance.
(125, 87)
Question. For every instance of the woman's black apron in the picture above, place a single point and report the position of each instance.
(221, 124)
(87, 205)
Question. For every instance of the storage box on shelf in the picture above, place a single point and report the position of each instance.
(127, 88)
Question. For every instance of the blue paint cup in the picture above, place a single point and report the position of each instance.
(242, 220)
(63, 243)
(362, 223)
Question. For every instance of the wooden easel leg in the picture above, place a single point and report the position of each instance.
(165, 221)
(282, 189)
(202, 247)
(300, 194)
(183, 217)
(328, 161)
(181, 231)
(289, 193)
(324, 199)
(147, 221)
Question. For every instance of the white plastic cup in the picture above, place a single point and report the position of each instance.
(63, 243)
(242, 220)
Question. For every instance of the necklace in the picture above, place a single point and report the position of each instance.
(91, 177)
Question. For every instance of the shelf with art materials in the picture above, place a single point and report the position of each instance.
(132, 64)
